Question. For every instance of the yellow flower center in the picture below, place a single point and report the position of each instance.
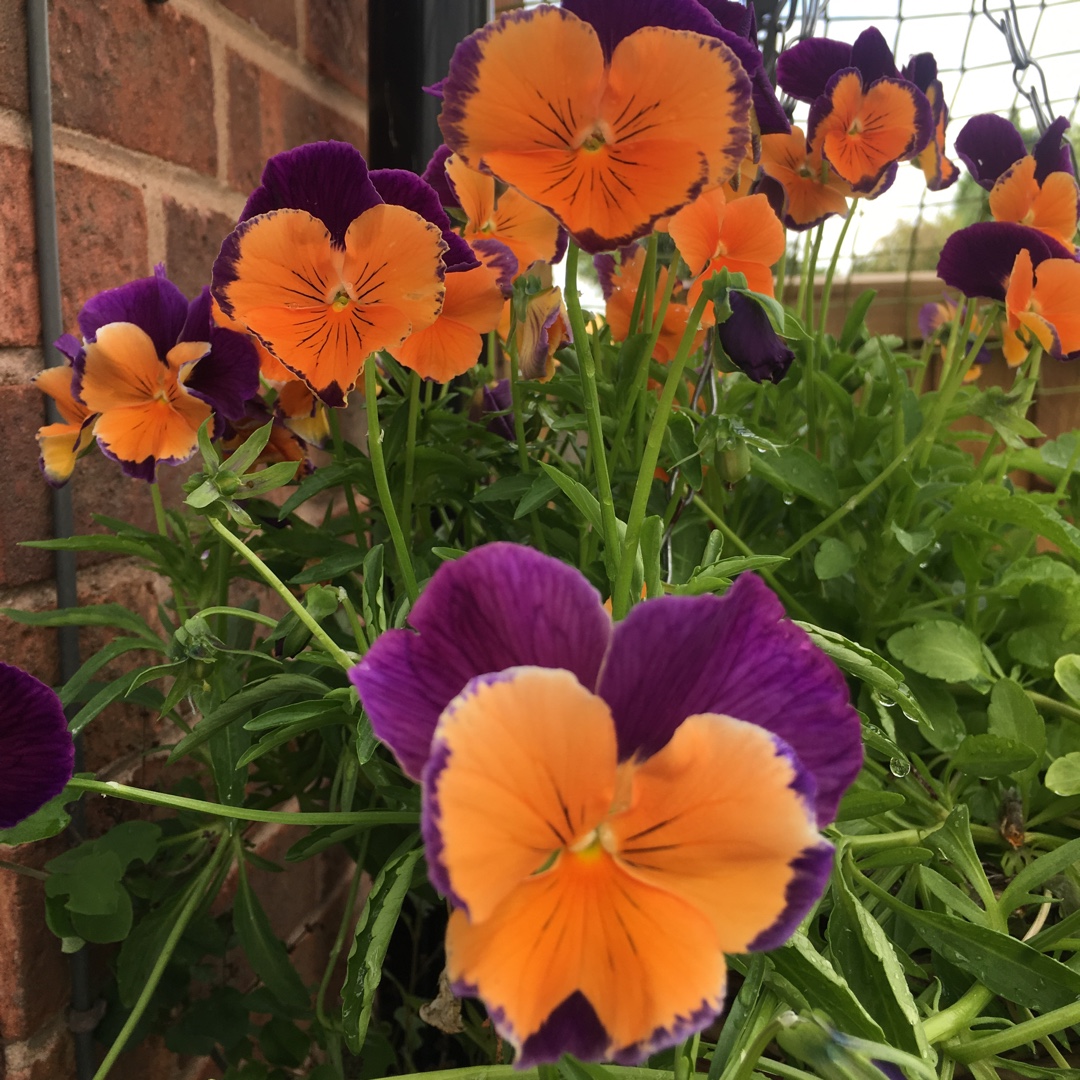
(341, 301)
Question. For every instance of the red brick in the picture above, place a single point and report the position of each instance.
(102, 228)
(137, 74)
(193, 239)
(277, 18)
(337, 42)
(33, 970)
(27, 511)
(266, 116)
(14, 91)
(19, 313)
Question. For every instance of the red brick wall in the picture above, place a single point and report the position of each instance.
(163, 115)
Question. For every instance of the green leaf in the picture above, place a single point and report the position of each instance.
(74, 687)
(1012, 715)
(652, 538)
(113, 691)
(990, 756)
(51, 820)
(800, 963)
(853, 324)
(292, 714)
(245, 455)
(943, 650)
(1067, 674)
(374, 607)
(286, 734)
(505, 489)
(793, 469)
(143, 946)
(372, 938)
(717, 576)
(114, 615)
(333, 566)
(1010, 968)
(92, 884)
(915, 541)
(833, 559)
(953, 842)
(1017, 508)
(266, 954)
(131, 841)
(1063, 776)
(585, 501)
(869, 962)
(107, 928)
(115, 545)
(908, 855)
(1035, 873)
(539, 494)
(858, 805)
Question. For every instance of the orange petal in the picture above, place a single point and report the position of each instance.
(56, 382)
(715, 820)
(164, 430)
(475, 191)
(323, 311)
(1021, 285)
(122, 369)
(60, 446)
(813, 191)
(527, 229)
(1014, 194)
(1057, 299)
(607, 152)
(1054, 209)
(752, 233)
(696, 229)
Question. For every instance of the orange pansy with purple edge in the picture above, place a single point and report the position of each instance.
(601, 862)
(939, 171)
(812, 191)
(864, 117)
(610, 123)
(1033, 275)
(620, 280)
(544, 329)
(1049, 206)
(745, 237)
(154, 368)
(328, 266)
(62, 443)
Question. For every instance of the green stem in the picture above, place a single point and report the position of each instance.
(382, 482)
(1070, 712)
(587, 368)
(238, 613)
(271, 579)
(26, 871)
(410, 448)
(159, 509)
(826, 290)
(751, 1055)
(957, 1017)
(339, 941)
(648, 273)
(244, 813)
(346, 484)
(518, 410)
(620, 596)
(195, 897)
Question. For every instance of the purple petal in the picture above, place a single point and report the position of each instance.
(497, 399)
(812, 869)
(804, 70)
(738, 656)
(605, 266)
(435, 89)
(498, 607)
(572, 1028)
(979, 259)
(873, 57)
(988, 145)
(921, 70)
(614, 21)
(69, 345)
(751, 343)
(35, 745)
(931, 318)
(403, 188)
(434, 175)
(228, 377)
(1051, 152)
(154, 304)
(430, 828)
(771, 118)
(499, 258)
(732, 16)
(327, 179)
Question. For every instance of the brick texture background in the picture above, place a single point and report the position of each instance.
(163, 115)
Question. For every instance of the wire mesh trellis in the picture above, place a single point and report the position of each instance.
(1007, 57)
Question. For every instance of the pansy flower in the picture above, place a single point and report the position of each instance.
(744, 237)
(939, 171)
(620, 280)
(62, 443)
(812, 191)
(864, 117)
(606, 120)
(154, 368)
(544, 329)
(989, 145)
(1049, 205)
(610, 808)
(936, 317)
(326, 267)
(750, 342)
(1032, 274)
(35, 745)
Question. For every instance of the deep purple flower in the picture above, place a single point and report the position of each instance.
(35, 745)
(751, 343)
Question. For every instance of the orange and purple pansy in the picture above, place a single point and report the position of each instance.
(35, 745)
(61, 443)
(1034, 276)
(864, 117)
(812, 191)
(939, 171)
(989, 145)
(610, 807)
(597, 113)
(330, 263)
(153, 368)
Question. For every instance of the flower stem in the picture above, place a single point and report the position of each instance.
(1028, 1031)
(410, 448)
(244, 813)
(826, 290)
(958, 1016)
(346, 484)
(159, 509)
(592, 408)
(620, 595)
(382, 483)
(275, 583)
(196, 894)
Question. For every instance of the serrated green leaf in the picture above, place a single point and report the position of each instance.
(793, 469)
(1063, 776)
(943, 650)
(370, 942)
(1015, 508)
(833, 559)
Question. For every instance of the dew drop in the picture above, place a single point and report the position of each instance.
(898, 766)
(788, 497)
